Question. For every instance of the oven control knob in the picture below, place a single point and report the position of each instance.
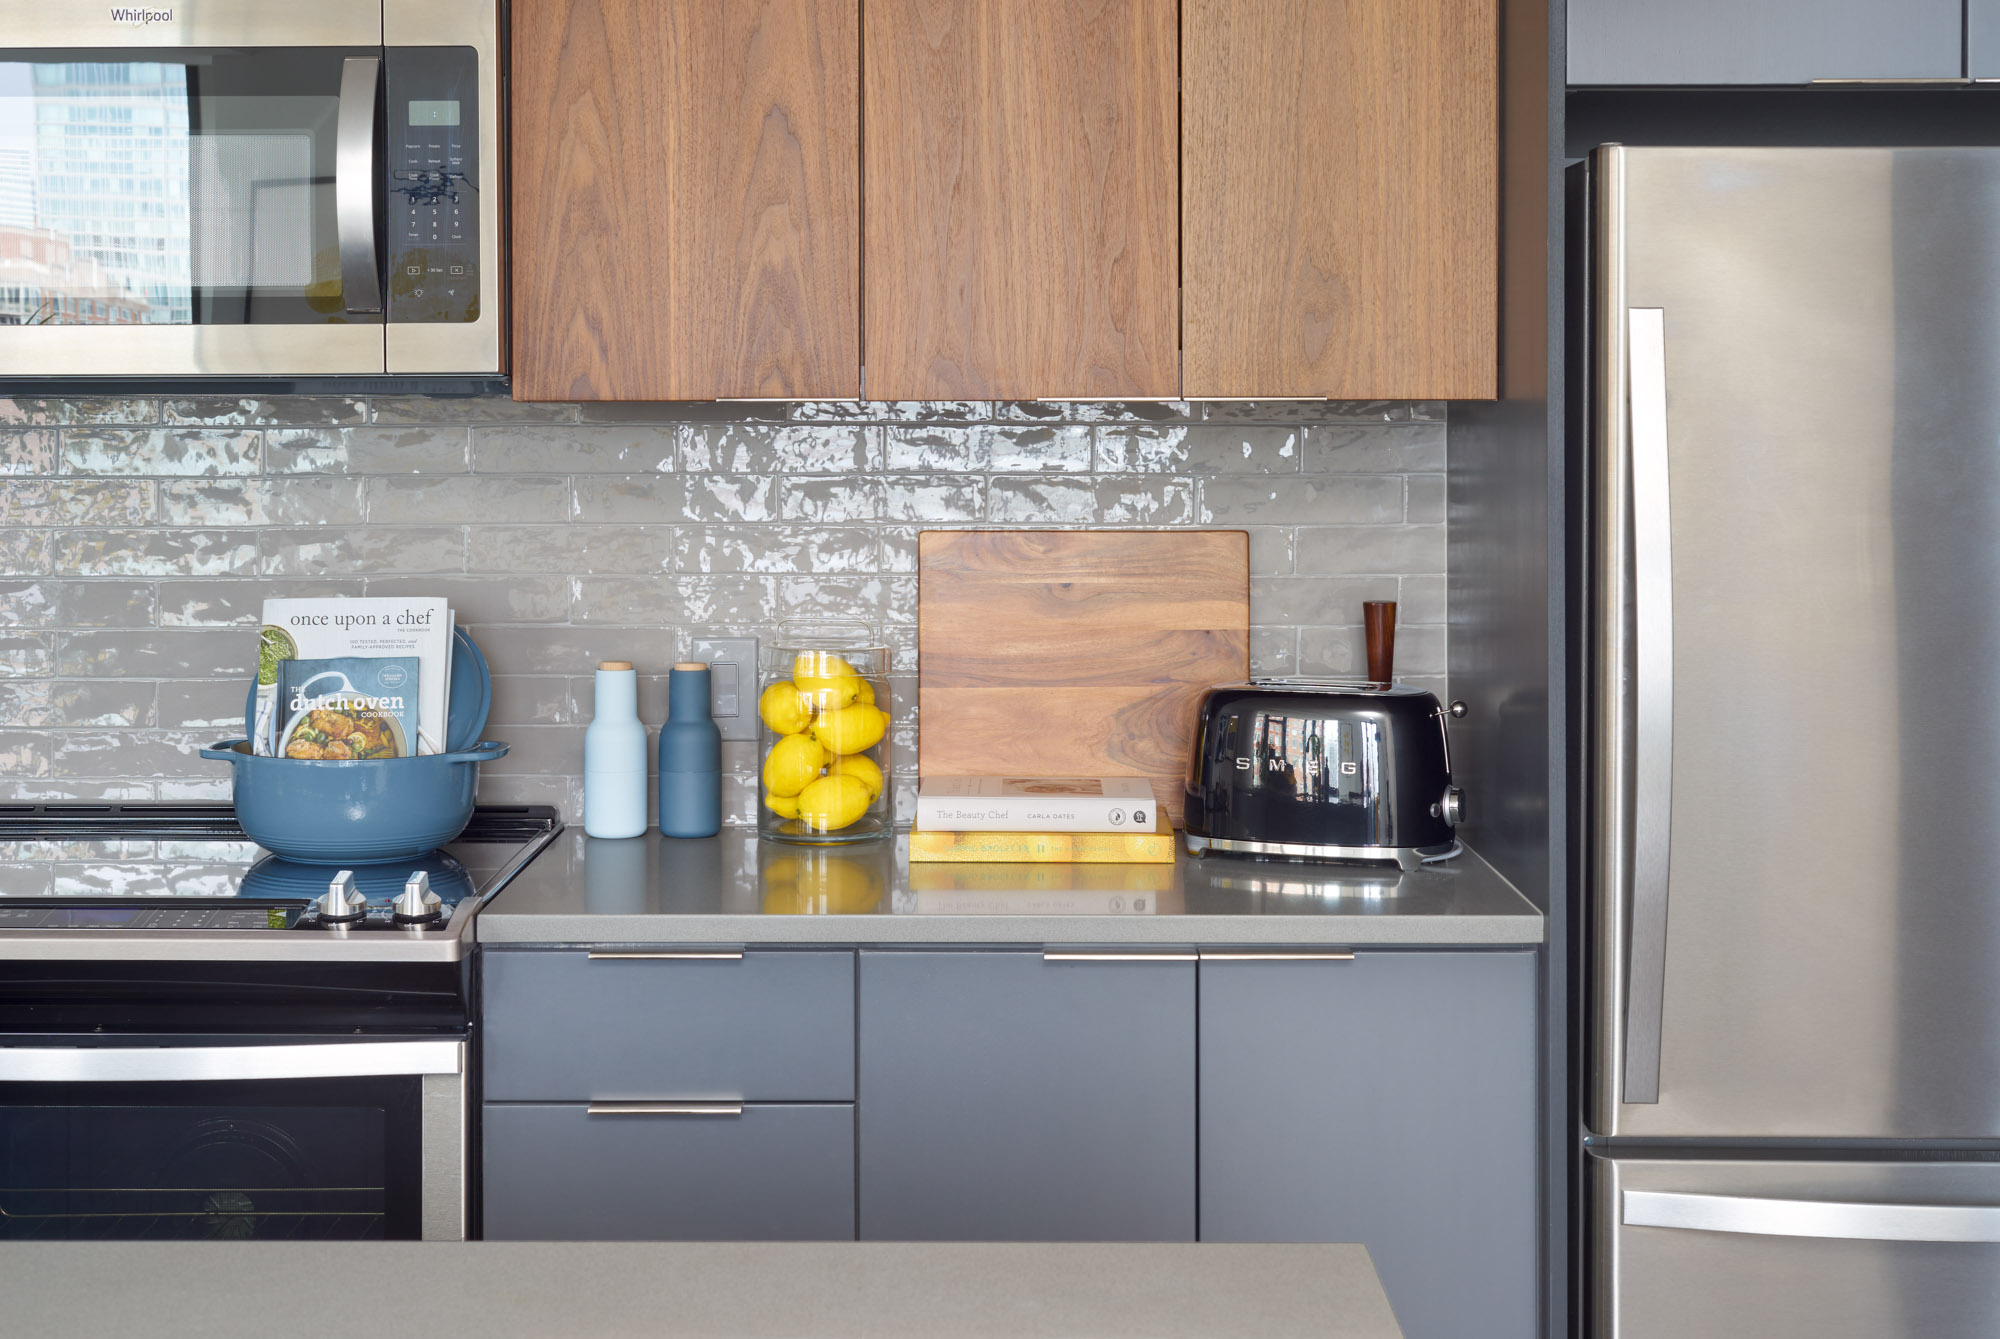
(417, 902)
(342, 901)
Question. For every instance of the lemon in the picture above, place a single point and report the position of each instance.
(792, 764)
(862, 769)
(784, 806)
(820, 665)
(831, 694)
(850, 729)
(785, 709)
(867, 693)
(833, 802)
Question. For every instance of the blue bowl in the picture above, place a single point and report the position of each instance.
(357, 812)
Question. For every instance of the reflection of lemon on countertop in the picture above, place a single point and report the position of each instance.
(792, 764)
(851, 729)
(834, 802)
(820, 884)
(862, 769)
(784, 708)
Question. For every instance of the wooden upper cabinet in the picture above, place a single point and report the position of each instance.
(686, 199)
(1339, 198)
(1020, 234)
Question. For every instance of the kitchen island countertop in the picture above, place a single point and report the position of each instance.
(500, 1290)
(736, 889)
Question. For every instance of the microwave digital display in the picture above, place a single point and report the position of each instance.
(434, 113)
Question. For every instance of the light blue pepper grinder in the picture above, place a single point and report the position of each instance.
(690, 757)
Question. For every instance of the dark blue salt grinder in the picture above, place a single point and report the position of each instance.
(690, 757)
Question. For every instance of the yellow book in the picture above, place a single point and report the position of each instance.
(1071, 848)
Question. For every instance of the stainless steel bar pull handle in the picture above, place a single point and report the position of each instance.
(354, 184)
(1653, 697)
(665, 955)
(1056, 955)
(1330, 955)
(664, 1109)
(218, 1064)
(1812, 1218)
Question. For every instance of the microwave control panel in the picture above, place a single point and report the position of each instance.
(433, 164)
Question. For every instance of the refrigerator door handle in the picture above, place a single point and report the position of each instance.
(1653, 696)
(1812, 1218)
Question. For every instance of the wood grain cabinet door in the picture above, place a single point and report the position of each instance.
(686, 197)
(1339, 198)
(1020, 230)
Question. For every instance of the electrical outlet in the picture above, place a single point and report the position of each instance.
(732, 682)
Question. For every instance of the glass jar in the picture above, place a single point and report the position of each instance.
(823, 754)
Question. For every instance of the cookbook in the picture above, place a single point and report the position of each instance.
(356, 628)
(1035, 804)
(348, 707)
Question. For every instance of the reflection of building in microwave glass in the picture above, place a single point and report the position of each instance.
(111, 178)
(17, 187)
(44, 282)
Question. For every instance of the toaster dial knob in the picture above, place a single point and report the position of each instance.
(1451, 808)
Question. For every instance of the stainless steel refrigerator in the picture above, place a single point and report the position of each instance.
(1792, 1003)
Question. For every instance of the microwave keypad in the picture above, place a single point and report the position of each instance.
(433, 162)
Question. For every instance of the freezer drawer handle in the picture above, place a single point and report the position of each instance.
(664, 1109)
(596, 955)
(222, 1064)
(1812, 1218)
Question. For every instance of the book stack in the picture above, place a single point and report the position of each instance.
(352, 679)
(1040, 820)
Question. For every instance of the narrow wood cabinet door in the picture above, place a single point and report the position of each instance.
(1339, 198)
(1020, 233)
(686, 196)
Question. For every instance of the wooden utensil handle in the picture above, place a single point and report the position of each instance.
(1379, 618)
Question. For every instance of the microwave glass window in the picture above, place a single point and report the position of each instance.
(192, 190)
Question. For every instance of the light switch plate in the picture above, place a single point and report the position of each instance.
(732, 682)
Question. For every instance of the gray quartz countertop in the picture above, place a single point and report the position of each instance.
(501, 1290)
(736, 889)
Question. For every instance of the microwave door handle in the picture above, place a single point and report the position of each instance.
(1652, 687)
(354, 184)
(1812, 1218)
(226, 1064)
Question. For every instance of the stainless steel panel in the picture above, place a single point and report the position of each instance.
(214, 1064)
(467, 346)
(354, 185)
(1831, 333)
(1982, 39)
(1819, 1250)
(186, 350)
(1761, 41)
(94, 23)
(444, 1142)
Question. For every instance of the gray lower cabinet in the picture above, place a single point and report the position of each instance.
(1005, 1096)
(1390, 1100)
(1654, 42)
(638, 1023)
(556, 1172)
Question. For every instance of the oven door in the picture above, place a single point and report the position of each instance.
(195, 1138)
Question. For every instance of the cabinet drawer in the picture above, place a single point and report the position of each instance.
(563, 1026)
(561, 1172)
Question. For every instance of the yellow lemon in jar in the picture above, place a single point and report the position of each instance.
(784, 806)
(820, 665)
(792, 764)
(785, 709)
(851, 729)
(862, 769)
(833, 802)
(867, 693)
(830, 694)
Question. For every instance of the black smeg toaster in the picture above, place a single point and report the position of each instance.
(1322, 769)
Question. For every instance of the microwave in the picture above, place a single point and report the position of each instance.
(250, 188)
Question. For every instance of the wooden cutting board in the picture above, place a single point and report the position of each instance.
(1075, 653)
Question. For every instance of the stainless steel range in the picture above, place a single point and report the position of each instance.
(198, 1039)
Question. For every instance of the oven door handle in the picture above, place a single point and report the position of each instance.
(224, 1064)
(354, 184)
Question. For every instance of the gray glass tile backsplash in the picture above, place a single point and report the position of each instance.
(139, 537)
